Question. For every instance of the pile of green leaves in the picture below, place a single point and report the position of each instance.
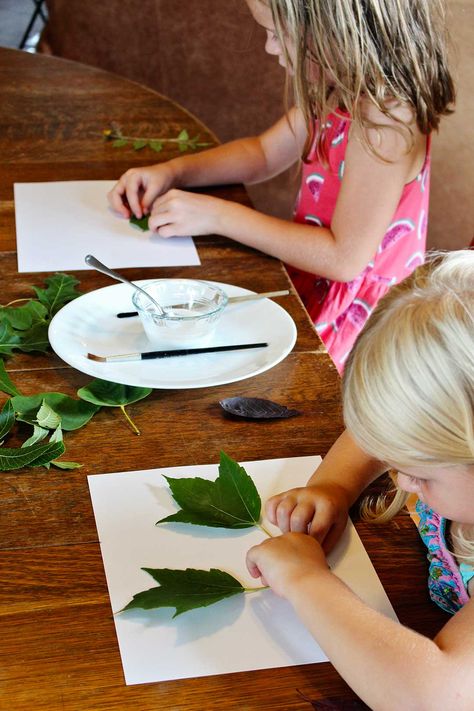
(231, 501)
(25, 327)
(52, 413)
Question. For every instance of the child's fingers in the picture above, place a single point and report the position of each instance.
(116, 200)
(271, 507)
(252, 566)
(332, 536)
(283, 513)
(301, 517)
(133, 190)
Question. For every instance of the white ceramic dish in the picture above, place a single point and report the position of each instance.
(89, 324)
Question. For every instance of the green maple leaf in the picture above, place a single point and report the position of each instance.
(60, 289)
(25, 316)
(185, 589)
(231, 501)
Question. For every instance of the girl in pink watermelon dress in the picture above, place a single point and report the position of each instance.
(370, 82)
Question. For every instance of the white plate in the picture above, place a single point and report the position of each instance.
(89, 324)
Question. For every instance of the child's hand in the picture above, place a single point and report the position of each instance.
(137, 189)
(320, 510)
(283, 562)
(180, 213)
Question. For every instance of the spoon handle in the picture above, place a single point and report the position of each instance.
(93, 262)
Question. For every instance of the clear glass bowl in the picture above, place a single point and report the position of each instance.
(191, 311)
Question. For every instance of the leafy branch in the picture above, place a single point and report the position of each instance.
(25, 327)
(182, 140)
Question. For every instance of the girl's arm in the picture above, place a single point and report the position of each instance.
(321, 507)
(389, 666)
(369, 195)
(246, 160)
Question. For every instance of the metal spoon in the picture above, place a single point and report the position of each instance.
(93, 262)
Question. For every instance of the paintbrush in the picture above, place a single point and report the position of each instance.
(149, 355)
(231, 300)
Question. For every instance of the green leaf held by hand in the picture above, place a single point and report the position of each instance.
(141, 223)
(185, 589)
(231, 501)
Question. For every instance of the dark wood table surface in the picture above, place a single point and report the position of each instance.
(58, 648)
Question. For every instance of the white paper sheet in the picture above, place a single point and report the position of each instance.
(242, 633)
(58, 223)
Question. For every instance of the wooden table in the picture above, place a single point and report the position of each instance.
(58, 648)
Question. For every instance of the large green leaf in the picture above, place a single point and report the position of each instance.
(33, 456)
(73, 413)
(25, 316)
(35, 338)
(7, 418)
(6, 384)
(60, 289)
(186, 589)
(103, 392)
(231, 501)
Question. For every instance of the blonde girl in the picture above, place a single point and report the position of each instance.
(408, 396)
(370, 83)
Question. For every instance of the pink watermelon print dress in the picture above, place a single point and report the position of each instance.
(339, 310)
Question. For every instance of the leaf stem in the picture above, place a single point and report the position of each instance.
(252, 590)
(16, 301)
(129, 420)
(262, 528)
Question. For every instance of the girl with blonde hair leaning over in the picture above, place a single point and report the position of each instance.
(371, 81)
(408, 395)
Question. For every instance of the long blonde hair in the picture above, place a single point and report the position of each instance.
(408, 386)
(382, 50)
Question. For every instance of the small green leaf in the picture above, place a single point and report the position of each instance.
(139, 144)
(73, 413)
(119, 143)
(141, 223)
(35, 455)
(6, 384)
(183, 135)
(25, 316)
(7, 418)
(156, 146)
(60, 464)
(57, 435)
(46, 417)
(60, 289)
(231, 501)
(39, 433)
(108, 394)
(186, 589)
(183, 147)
